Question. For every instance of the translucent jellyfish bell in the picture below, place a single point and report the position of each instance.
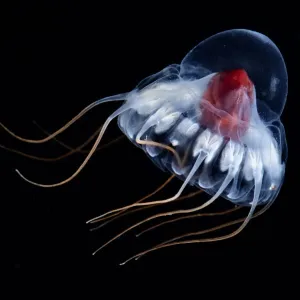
(248, 50)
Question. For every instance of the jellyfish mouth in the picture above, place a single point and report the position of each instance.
(227, 102)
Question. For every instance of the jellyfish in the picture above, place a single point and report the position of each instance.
(212, 121)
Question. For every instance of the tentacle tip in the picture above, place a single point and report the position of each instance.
(126, 261)
(19, 173)
(90, 221)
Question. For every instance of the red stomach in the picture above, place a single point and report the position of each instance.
(226, 104)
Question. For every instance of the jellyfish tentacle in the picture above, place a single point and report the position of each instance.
(198, 162)
(188, 196)
(227, 224)
(169, 213)
(67, 146)
(67, 154)
(120, 210)
(221, 213)
(78, 149)
(123, 212)
(103, 129)
(172, 242)
(120, 97)
(231, 161)
(258, 175)
(120, 213)
(175, 242)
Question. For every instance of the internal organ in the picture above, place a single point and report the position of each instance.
(227, 103)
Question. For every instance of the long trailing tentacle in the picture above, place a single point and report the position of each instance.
(119, 97)
(175, 242)
(188, 196)
(198, 162)
(64, 144)
(212, 214)
(122, 212)
(227, 224)
(67, 154)
(75, 150)
(223, 186)
(79, 148)
(169, 213)
(258, 174)
(103, 129)
(114, 212)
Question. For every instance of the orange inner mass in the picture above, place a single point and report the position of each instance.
(226, 105)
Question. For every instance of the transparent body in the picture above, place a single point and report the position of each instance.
(213, 121)
(166, 109)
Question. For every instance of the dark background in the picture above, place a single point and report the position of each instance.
(58, 58)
